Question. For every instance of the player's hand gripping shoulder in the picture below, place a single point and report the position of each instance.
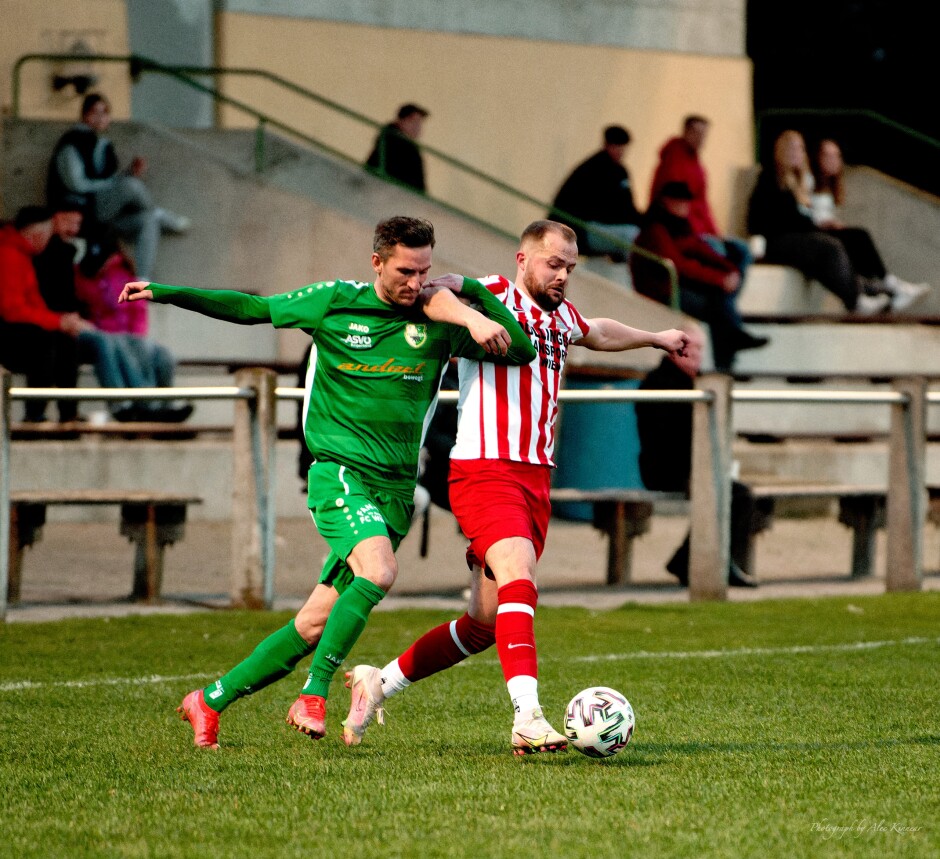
(440, 303)
(136, 290)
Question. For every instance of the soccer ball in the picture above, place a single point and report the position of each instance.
(599, 722)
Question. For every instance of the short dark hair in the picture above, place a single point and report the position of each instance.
(537, 230)
(616, 135)
(90, 100)
(401, 230)
(29, 215)
(409, 109)
(692, 119)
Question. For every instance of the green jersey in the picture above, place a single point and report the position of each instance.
(375, 368)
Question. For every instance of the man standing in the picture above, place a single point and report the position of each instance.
(665, 431)
(598, 192)
(83, 173)
(372, 384)
(679, 162)
(499, 489)
(395, 154)
(35, 340)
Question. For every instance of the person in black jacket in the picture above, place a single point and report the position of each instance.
(84, 176)
(395, 154)
(598, 192)
(665, 431)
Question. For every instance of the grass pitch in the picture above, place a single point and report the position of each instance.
(798, 729)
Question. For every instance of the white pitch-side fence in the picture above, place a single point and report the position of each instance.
(255, 393)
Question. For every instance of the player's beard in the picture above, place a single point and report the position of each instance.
(540, 294)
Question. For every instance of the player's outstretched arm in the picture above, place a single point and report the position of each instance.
(225, 304)
(608, 335)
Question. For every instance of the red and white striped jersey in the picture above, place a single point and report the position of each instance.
(510, 412)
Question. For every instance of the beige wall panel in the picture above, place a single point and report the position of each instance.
(523, 111)
(55, 26)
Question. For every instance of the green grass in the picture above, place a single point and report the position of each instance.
(774, 751)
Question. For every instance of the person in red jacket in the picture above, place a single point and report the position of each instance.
(34, 340)
(708, 282)
(679, 162)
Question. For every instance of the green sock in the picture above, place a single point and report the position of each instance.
(272, 659)
(344, 626)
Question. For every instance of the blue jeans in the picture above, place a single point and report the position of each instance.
(736, 251)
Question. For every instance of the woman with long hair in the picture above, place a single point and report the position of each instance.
(828, 194)
(780, 210)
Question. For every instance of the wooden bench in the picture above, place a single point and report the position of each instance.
(622, 514)
(861, 508)
(150, 520)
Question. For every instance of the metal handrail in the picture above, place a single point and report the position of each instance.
(842, 112)
(183, 74)
(905, 438)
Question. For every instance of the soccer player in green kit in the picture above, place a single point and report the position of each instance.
(378, 354)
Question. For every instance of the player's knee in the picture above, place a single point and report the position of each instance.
(478, 636)
(309, 625)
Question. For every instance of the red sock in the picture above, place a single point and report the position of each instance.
(444, 646)
(515, 630)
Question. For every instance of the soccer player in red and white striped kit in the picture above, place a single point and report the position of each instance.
(500, 471)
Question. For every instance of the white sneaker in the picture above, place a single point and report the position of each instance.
(904, 294)
(532, 733)
(869, 305)
(171, 222)
(365, 682)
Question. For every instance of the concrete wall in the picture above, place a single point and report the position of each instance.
(177, 32)
(62, 26)
(688, 26)
(523, 110)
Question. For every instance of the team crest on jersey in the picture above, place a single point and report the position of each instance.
(416, 334)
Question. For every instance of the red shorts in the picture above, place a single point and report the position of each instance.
(494, 499)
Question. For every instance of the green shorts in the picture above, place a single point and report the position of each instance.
(347, 510)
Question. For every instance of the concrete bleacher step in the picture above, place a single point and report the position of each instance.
(835, 348)
(781, 291)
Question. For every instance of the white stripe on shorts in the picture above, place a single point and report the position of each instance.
(340, 473)
(453, 635)
(515, 606)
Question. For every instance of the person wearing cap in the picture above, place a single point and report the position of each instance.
(35, 340)
(708, 282)
(596, 200)
(679, 162)
(395, 154)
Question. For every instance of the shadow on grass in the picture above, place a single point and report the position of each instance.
(662, 750)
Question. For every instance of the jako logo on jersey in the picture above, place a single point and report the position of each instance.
(415, 334)
(355, 326)
(358, 341)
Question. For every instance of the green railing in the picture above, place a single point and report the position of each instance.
(187, 76)
(838, 112)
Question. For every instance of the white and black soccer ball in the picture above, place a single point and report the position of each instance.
(599, 722)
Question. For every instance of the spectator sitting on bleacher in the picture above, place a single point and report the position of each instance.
(598, 192)
(780, 210)
(828, 194)
(708, 282)
(98, 283)
(83, 173)
(117, 361)
(35, 340)
(665, 431)
(679, 162)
